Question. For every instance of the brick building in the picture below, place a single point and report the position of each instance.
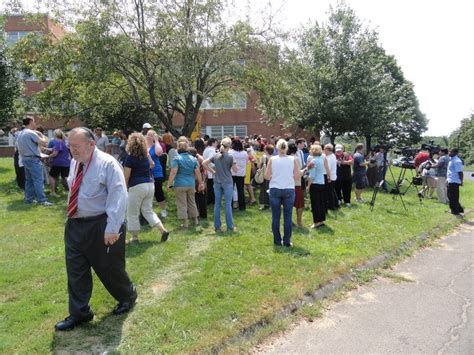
(17, 27)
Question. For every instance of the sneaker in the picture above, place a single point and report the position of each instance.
(360, 200)
(164, 213)
(348, 205)
(46, 203)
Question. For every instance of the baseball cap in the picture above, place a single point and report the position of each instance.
(339, 148)
(147, 125)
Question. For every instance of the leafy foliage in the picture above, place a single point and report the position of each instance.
(340, 81)
(463, 139)
(9, 84)
(164, 58)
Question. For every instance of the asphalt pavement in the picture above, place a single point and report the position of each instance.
(469, 175)
(430, 314)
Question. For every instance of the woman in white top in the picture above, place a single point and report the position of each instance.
(240, 157)
(331, 200)
(282, 172)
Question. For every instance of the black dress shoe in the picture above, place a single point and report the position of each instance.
(164, 236)
(70, 322)
(124, 307)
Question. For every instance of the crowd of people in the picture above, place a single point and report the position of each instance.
(205, 170)
(111, 185)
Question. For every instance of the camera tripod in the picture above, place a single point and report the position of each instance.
(396, 190)
(411, 184)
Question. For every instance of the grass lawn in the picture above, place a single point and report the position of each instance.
(196, 290)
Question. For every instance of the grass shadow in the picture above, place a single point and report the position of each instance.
(4, 170)
(103, 336)
(293, 251)
(136, 249)
(301, 230)
(325, 229)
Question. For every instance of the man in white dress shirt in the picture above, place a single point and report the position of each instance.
(95, 234)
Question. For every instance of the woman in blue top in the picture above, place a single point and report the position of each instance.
(183, 176)
(140, 185)
(317, 168)
(156, 151)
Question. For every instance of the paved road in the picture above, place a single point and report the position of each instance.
(469, 175)
(433, 314)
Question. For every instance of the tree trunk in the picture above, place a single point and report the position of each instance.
(368, 142)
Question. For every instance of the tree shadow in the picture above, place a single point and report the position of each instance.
(99, 337)
(295, 251)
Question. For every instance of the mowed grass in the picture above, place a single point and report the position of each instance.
(196, 290)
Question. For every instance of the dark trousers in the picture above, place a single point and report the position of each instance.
(201, 203)
(19, 172)
(343, 190)
(264, 198)
(211, 197)
(318, 202)
(159, 193)
(85, 248)
(239, 183)
(453, 197)
(163, 160)
(330, 192)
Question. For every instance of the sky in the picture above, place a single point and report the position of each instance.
(432, 40)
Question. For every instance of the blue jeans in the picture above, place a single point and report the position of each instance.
(226, 190)
(285, 197)
(34, 183)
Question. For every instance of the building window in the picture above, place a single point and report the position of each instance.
(220, 132)
(31, 77)
(238, 102)
(13, 37)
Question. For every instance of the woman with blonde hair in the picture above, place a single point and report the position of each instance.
(183, 175)
(224, 164)
(141, 187)
(282, 170)
(60, 162)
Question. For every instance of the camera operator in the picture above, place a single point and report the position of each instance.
(455, 179)
(441, 172)
(382, 166)
(428, 178)
(422, 156)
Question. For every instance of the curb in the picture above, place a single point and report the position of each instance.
(328, 289)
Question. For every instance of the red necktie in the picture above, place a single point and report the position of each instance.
(72, 205)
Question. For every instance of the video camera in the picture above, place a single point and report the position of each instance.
(407, 152)
(431, 147)
(377, 147)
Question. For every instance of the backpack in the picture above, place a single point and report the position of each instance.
(260, 174)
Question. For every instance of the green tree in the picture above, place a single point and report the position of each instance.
(9, 83)
(163, 57)
(343, 83)
(463, 139)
